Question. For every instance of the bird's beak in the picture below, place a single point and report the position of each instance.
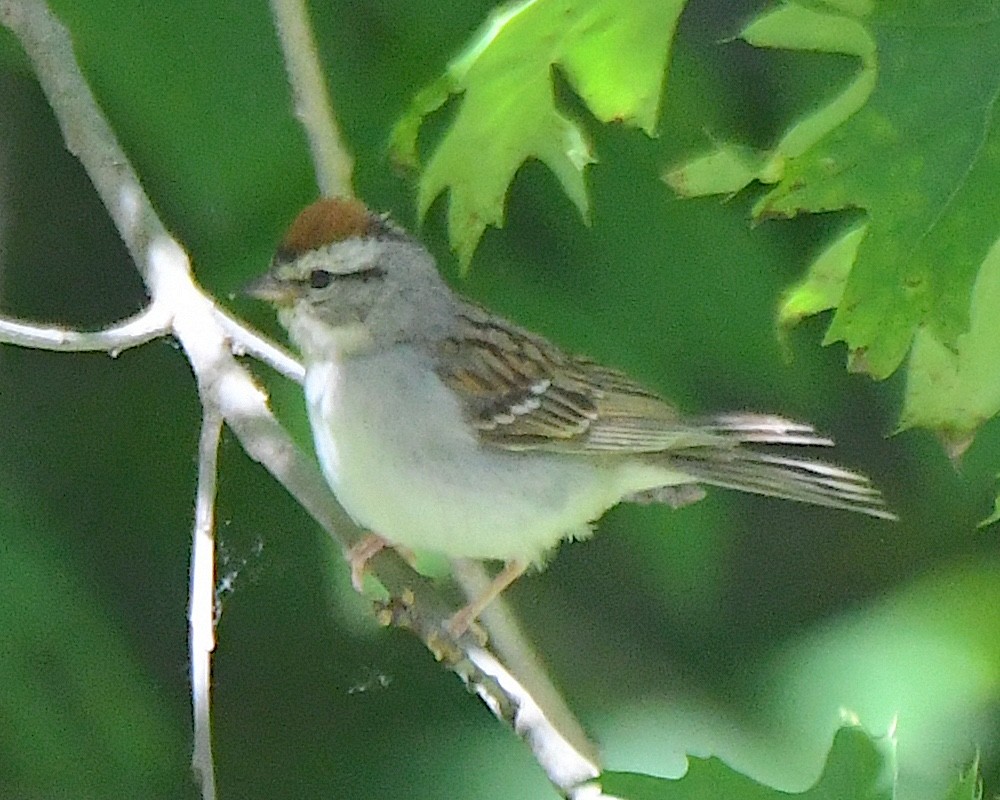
(272, 289)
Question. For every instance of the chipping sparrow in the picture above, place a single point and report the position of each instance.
(443, 427)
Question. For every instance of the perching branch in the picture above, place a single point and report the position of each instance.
(209, 337)
(507, 639)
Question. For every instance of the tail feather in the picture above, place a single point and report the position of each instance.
(764, 429)
(748, 469)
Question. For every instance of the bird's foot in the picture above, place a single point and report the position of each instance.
(364, 550)
(463, 619)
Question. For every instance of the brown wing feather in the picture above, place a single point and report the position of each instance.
(521, 392)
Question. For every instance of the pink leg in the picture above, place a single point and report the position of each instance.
(361, 553)
(462, 619)
(365, 549)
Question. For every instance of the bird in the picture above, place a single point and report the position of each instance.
(443, 427)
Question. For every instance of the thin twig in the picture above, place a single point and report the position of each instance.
(247, 342)
(201, 611)
(331, 157)
(85, 130)
(151, 323)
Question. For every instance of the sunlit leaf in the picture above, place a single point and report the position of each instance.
(954, 389)
(613, 54)
(857, 766)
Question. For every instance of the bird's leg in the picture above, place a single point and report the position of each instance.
(365, 549)
(462, 619)
(361, 552)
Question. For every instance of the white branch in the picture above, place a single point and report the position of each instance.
(149, 324)
(201, 609)
(247, 342)
(331, 158)
(570, 769)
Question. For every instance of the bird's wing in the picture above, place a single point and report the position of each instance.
(521, 392)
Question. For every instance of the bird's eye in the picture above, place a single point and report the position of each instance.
(319, 279)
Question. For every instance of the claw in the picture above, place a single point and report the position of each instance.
(363, 551)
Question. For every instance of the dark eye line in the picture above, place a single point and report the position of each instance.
(321, 278)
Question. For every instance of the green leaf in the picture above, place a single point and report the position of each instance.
(823, 285)
(921, 660)
(969, 785)
(857, 766)
(725, 170)
(914, 141)
(954, 389)
(922, 157)
(612, 53)
(995, 515)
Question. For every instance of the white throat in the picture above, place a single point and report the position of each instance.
(320, 341)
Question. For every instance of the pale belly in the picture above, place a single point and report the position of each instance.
(393, 447)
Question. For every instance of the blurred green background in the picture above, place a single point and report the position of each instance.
(741, 627)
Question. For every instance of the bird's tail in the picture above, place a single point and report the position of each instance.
(747, 468)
